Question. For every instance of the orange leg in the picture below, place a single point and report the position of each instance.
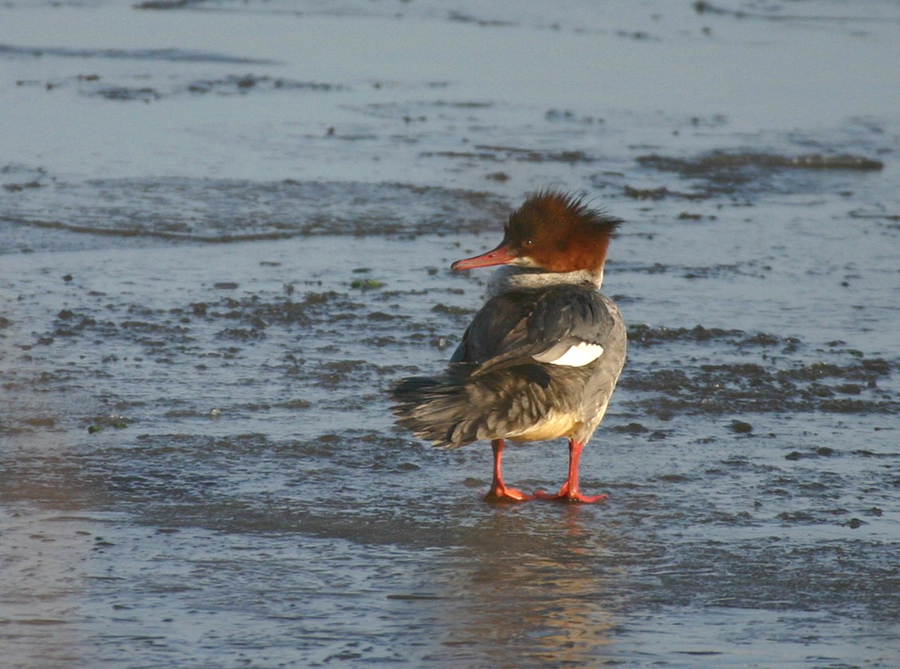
(569, 491)
(499, 492)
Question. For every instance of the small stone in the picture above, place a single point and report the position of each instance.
(632, 428)
(740, 427)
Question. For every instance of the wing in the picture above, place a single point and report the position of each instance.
(562, 325)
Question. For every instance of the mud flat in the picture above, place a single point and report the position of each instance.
(224, 234)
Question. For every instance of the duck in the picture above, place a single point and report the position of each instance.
(541, 358)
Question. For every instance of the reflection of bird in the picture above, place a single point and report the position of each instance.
(541, 358)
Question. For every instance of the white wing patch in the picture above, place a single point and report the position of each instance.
(576, 355)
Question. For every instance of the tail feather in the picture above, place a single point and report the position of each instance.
(465, 405)
(434, 409)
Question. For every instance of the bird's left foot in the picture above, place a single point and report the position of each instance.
(502, 493)
(565, 495)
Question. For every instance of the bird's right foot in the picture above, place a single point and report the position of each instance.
(571, 495)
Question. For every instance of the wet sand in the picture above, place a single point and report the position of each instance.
(225, 233)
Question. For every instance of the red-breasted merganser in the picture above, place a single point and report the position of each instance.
(540, 360)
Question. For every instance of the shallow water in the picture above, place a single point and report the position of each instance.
(225, 234)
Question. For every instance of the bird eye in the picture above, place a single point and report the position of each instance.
(527, 243)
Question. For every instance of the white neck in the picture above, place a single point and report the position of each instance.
(509, 278)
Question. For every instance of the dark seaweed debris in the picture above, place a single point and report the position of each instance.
(233, 84)
(643, 335)
(725, 162)
(172, 55)
(769, 11)
(93, 85)
(660, 193)
(751, 387)
(504, 153)
(772, 379)
(222, 330)
(741, 174)
(168, 4)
